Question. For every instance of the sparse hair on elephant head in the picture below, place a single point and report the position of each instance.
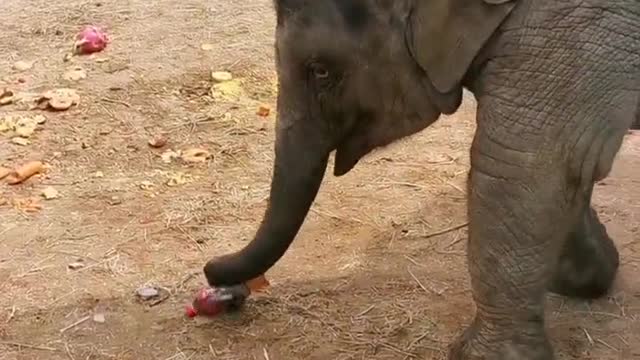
(355, 75)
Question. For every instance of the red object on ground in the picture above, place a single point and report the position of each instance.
(213, 301)
(91, 39)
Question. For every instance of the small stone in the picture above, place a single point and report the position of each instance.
(146, 293)
(115, 200)
(206, 47)
(157, 141)
(22, 65)
(75, 265)
(221, 76)
(98, 174)
(99, 318)
(50, 193)
(20, 141)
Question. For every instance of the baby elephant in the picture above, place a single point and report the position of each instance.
(558, 87)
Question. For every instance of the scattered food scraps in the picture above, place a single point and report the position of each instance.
(24, 172)
(221, 76)
(169, 155)
(22, 126)
(263, 110)
(178, 179)
(28, 205)
(146, 185)
(75, 74)
(49, 193)
(90, 40)
(6, 97)
(231, 90)
(23, 65)
(158, 141)
(195, 155)
(59, 99)
(4, 172)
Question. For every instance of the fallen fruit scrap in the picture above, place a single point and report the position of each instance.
(263, 110)
(214, 301)
(90, 40)
(6, 97)
(195, 155)
(20, 126)
(24, 172)
(59, 99)
(28, 205)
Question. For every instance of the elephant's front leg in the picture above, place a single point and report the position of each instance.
(519, 216)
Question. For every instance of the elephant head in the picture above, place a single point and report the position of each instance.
(354, 75)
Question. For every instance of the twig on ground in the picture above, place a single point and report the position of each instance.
(589, 338)
(365, 311)
(420, 283)
(75, 324)
(69, 354)
(607, 345)
(114, 101)
(27, 346)
(11, 314)
(447, 230)
(419, 339)
(455, 241)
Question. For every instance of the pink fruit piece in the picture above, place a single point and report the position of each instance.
(91, 39)
(213, 301)
(191, 311)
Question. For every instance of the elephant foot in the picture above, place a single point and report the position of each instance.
(588, 263)
(527, 342)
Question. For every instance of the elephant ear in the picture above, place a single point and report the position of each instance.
(446, 35)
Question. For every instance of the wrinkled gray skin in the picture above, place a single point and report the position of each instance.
(557, 84)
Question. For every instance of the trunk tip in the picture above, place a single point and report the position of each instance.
(227, 270)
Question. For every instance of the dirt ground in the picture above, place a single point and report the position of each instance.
(377, 272)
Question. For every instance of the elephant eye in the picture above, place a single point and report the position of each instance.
(319, 71)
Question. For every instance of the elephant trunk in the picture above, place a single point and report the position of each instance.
(301, 156)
